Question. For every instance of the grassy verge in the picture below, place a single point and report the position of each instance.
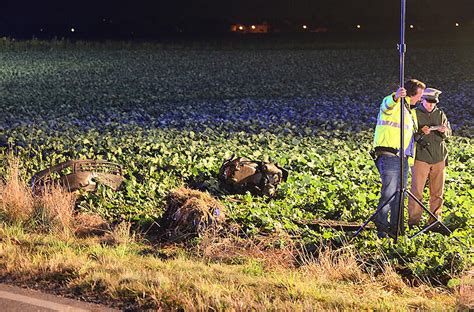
(138, 276)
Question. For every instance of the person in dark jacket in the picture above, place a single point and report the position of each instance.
(431, 156)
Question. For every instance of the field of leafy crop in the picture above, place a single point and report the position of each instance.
(172, 117)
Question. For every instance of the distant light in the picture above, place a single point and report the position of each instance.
(73, 30)
(411, 26)
(103, 20)
(358, 26)
(241, 27)
(41, 29)
(304, 26)
(253, 26)
(457, 24)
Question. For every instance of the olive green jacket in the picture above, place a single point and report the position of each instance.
(435, 151)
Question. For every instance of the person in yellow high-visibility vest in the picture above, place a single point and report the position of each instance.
(387, 146)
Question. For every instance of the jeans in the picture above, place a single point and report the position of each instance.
(389, 169)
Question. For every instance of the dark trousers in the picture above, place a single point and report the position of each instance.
(389, 169)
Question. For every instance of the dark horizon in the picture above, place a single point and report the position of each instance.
(149, 18)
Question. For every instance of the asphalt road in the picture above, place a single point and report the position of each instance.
(13, 299)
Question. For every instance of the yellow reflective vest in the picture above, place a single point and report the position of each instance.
(387, 130)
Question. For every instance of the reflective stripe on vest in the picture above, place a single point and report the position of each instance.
(392, 124)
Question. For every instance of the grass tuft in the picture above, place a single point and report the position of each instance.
(16, 200)
(391, 280)
(120, 235)
(54, 211)
(88, 224)
(274, 251)
(335, 265)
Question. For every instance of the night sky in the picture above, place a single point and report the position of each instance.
(90, 16)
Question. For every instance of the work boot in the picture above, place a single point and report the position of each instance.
(382, 234)
(384, 230)
(382, 227)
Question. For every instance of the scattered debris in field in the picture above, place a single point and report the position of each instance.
(73, 175)
(190, 213)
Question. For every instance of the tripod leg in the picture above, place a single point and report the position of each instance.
(400, 226)
(432, 215)
(373, 215)
(425, 229)
(432, 224)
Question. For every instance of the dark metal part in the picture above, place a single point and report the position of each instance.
(433, 216)
(335, 224)
(402, 50)
(401, 153)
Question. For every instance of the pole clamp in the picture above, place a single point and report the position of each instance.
(402, 47)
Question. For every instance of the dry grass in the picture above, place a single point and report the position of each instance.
(88, 224)
(274, 252)
(51, 211)
(120, 235)
(391, 280)
(466, 291)
(121, 273)
(16, 200)
(54, 211)
(335, 265)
